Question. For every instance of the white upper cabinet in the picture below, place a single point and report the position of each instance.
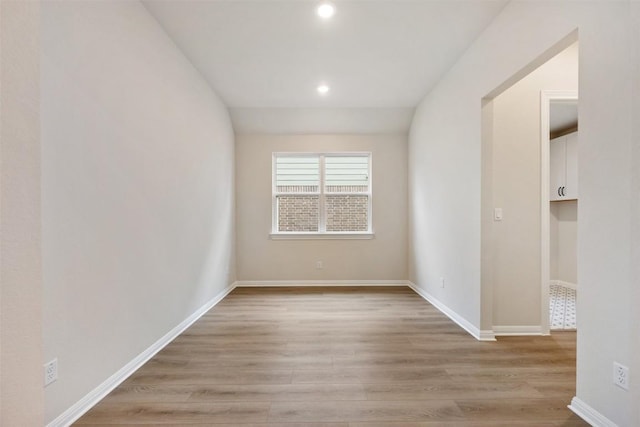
(571, 161)
(557, 174)
(563, 177)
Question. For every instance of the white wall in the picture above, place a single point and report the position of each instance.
(21, 374)
(382, 258)
(564, 241)
(445, 171)
(515, 180)
(137, 175)
(634, 332)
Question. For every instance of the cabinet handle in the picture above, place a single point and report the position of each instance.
(563, 192)
(559, 194)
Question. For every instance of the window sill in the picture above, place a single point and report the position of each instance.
(321, 236)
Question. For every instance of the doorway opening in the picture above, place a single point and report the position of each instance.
(559, 207)
(517, 219)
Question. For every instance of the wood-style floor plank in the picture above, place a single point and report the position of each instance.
(158, 413)
(365, 410)
(343, 357)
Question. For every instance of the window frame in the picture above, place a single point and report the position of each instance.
(322, 232)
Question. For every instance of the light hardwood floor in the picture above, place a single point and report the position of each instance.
(344, 357)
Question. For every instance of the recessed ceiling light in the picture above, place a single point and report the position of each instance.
(323, 89)
(326, 10)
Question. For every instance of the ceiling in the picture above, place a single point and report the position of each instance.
(265, 58)
(563, 115)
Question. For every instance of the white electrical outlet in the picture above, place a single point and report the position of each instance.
(319, 265)
(50, 372)
(621, 375)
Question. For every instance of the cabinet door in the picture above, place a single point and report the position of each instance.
(571, 164)
(557, 167)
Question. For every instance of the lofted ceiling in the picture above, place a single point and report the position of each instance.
(265, 58)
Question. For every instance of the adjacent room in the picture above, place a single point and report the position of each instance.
(320, 213)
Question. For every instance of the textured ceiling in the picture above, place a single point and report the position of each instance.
(379, 57)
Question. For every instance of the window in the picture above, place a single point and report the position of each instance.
(322, 194)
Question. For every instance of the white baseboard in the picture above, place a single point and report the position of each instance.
(486, 335)
(480, 335)
(302, 283)
(565, 284)
(505, 331)
(83, 405)
(590, 415)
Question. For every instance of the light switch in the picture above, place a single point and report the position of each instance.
(497, 214)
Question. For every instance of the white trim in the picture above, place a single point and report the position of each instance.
(546, 96)
(303, 283)
(320, 236)
(480, 335)
(506, 331)
(322, 214)
(590, 415)
(486, 335)
(93, 397)
(564, 284)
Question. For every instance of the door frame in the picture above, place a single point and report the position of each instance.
(546, 98)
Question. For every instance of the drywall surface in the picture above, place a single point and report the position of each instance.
(634, 333)
(382, 258)
(21, 373)
(137, 172)
(515, 178)
(564, 241)
(445, 177)
(319, 120)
